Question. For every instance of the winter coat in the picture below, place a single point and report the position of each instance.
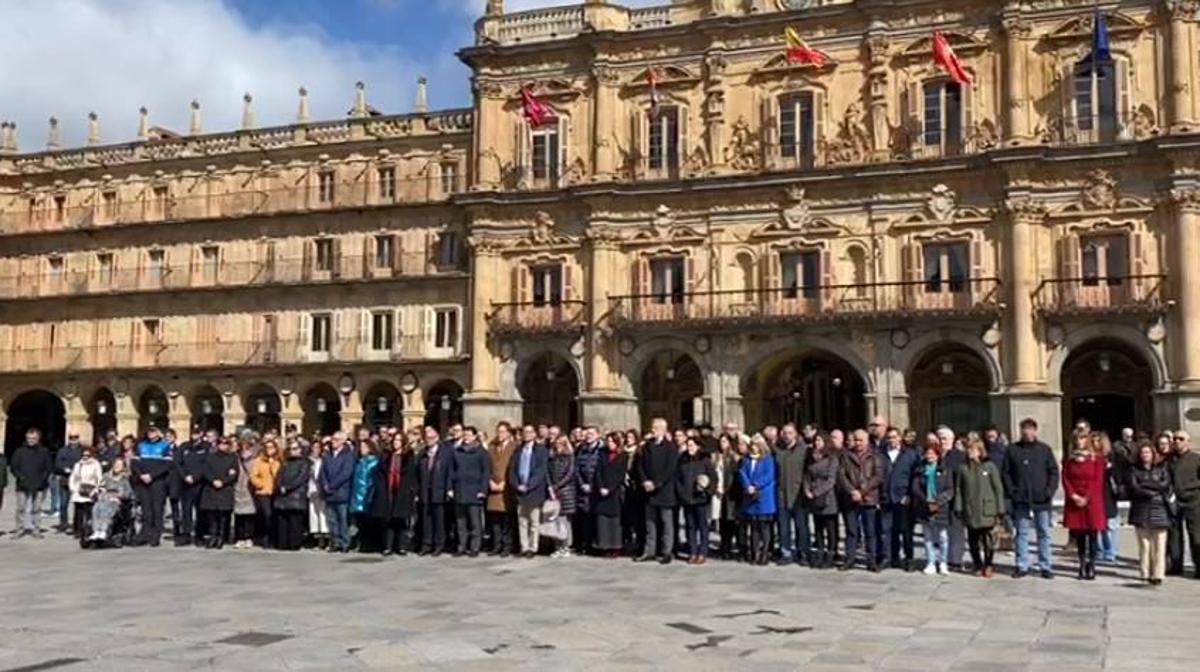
(691, 468)
(223, 467)
(66, 457)
(1148, 491)
(1185, 479)
(363, 487)
(979, 498)
(1112, 490)
(759, 474)
(789, 474)
(263, 472)
(897, 475)
(731, 501)
(1030, 474)
(470, 470)
(937, 508)
(85, 475)
(399, 503)
(861, 472)
(820, 479)
(535, 487)
(433, 470)
(500, 454)
(610, 477)
(337, 473)
(3, 472)
(31, 466)
(154, 459)
(658, 463)
(190, 462)
(587, 460)
(291, 484)
(243, 499)
(1084, 478)
(561, 476)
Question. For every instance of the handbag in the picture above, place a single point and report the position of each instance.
(87, 490)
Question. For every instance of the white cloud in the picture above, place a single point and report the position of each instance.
(65, 57)
(475, 7)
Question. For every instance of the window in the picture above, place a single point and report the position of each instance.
(666, 280)
(60, 208)
(445, 333)
(325, 192)
(56, 268)
(321, 334)
(382, 330)
(160, 198)
(109, 207)
(324, 254)
(943, 124)
(545, 155)
(211, 258)
(384, 251)
(448, 254)
(547, 285)
(1103, 259)
(945, 267)
(801, 274)
(152, 328)
(664, 138)
(104, 261)
(154, 266)
(387, 183)
(796, 128)
(449, 178)
(1095, 93)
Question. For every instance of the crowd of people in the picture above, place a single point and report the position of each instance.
(786, 495)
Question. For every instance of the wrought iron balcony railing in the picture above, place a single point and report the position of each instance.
(533, 317)
(1135, 294)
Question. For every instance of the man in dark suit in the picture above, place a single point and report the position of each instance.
(527, 475)
(434, 470)
(657, 469)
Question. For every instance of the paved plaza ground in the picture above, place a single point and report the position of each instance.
(186, 609)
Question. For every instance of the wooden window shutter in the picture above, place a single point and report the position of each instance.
(637, 143)
(913, 259)
(566, 148)
(398, 253)
(914, 105)
(337, 333)
(693, 270)
(568, 280)
(969, 92)
(303, 333)
(427, 330)
(772, 271)
(978, 252)
(819, 116)
(335, 251)
(1066, 92)
(308, 249)
(522, 142)
(769, 119)
(398, 330)
(364, 328)
(827, 293)
(1125, 99)
(368, 254)
(682, 146)
(1139, 266)
(520, 289)
(1071, 267)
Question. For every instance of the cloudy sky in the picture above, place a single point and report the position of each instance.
(65, 58)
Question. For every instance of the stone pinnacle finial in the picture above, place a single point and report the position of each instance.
(5, 138)
(93, 129)
(422, 102)
(247, 112)
(494, 8)
(143, 132)
(360, 100)
(302, 115)
(54, 135)
(12, 136)
(194, 126)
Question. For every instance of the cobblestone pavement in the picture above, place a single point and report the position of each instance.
(186, 609)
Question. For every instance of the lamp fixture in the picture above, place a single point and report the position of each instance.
(382, 404)
(261, 406)
(837, 382)
(550, 374)
(445, 403)
(1105, 362)
(948, 368)
(670, 373)
(206, 407)
(322, 405)
(102, 407)
(153, 407)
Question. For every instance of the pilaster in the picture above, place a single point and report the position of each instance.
(1185, 249)
(878, 45)
(291, 412)
(78, 421)
(1024, 216)
(1180, 17)
(413, 415)
(351, 412)
(605, 107)
(1016, 95)
(235, 414)
(126, 415)
(485, 378)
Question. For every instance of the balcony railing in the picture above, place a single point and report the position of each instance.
(530, 318)
(827, 303)
(1094, 129)
(409, 264)
(1135, 294)
(45, 215)
(413, 348)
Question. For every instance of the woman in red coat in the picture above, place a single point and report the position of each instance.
(1084, 514)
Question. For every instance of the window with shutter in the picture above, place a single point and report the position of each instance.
(664, 139)
(667, 283)
(945, 267)
(1095, 95)
(546, 156)
(547, 284)
(797, 129)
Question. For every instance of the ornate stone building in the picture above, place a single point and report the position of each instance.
(705, 231)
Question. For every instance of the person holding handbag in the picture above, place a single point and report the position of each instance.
(932, 492)
(697, 483)
(1149, 487)
(83, 482)
(562, 477)
(979, 503)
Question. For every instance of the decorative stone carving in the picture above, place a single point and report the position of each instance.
(604, 236)
(664, 218)
(1144, 125)
(743, 152)
(992, 336)
(1186, 199)
(703, 344)
(852, 143)
(696, 162)
(797, 215)
(575, 172)
(941, 203)
(900, 338)
(626, 345)
(487, 244)
(1099, 190)
(542, 231)
(1025, 209)
(984, 136)
(1055, 335)
(1156, 331)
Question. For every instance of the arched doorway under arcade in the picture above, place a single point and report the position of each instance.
(672, 387)
(37, 409)
(102, 413)
(263, 408)
(208, 409)
(1109, 384)
(443, 405)
(549, 391)
(382, 405)
(322, 407)
(949, 385)
(152, 409)
(811, 386)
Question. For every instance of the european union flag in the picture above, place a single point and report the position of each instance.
(1101, 55)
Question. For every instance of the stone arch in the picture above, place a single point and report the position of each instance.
(35, 408)
(805, 382)
(671, 386)
(321, 404)
(102, 412)
(263, 407)
(634, 364)
(515, 367)
(382, 404)
(922, 345)
(443, 404)
(549, 386)
(949, 383)
(1108, 383)
(153, 407)
(1131, 336)
(207, 406)
(764, 352)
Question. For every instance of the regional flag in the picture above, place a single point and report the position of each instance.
(798, 50)
(945, 57)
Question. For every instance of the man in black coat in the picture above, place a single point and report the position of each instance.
(434, 466)
(31, 465)
(190, 459)
(528, 474)
(60, 482)
(658, 467)
(588, 454)
(471, 469)
(1030, 480)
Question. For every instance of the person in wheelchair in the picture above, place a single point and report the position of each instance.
(112, 520)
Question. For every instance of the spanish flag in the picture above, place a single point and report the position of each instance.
(946, 59)
(536, 112)
(798, 50)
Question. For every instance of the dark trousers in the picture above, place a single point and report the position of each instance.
(583, 531)
(243, 527)
(395, 535)
(1087, 546)
(696, 518)
(189, 500)
(64, 498)
(218, 526)
(469, 521)
(980, 541)
(825, 530)
(152, 497)
(502, 525)
(1185, 527)
(761, 531)
(433, 527)
(795, 516)
(860, 529)
(895, 534)
(263, 520)
(729, 530)
(83, 515)
(660, 531)
(958, 541)
(289, 529)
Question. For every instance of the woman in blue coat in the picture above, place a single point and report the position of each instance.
(757, 478)
(362, 492)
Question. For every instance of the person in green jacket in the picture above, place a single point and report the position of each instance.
(980, 504)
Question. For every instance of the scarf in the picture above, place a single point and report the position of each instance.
(613, 455)
(394, 473)
(931, 481)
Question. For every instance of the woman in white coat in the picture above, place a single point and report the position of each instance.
(318, 526)
(84, 482)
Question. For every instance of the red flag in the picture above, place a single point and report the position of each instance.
(652, 78)
(536, 112)
(945, 57)
(798, 50)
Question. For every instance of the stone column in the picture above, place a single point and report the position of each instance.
(1185, 246)
(490, 131)
(291, 412)
(1024, 217)
(413, 414)
(606, 111)
(126, 415)
(878, 45)
(1016, 97)
(1179, 89)
(486, 272)
(351, 413)
(235, 414)
(603, 403)
(179, 415)
(77, 418)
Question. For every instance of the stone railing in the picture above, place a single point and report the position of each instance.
(541, 24)
(649, 18)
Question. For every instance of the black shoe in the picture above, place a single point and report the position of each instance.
(1020, 573)
(436, 552)
(908, 566)
(154, 543)
(666, 560)
(783, 561)
(875, 568)
(643, 558)
(528, 555)
(1047, 574)
(503, 554)
(386, 552)
(845, 566)
(472, 554)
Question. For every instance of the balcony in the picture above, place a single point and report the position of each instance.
(177, 277)
(410, 349)
(1115, 295)
(99, 212)
(975, 298)
(1096, 129)
(531, 319)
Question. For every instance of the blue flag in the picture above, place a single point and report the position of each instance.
(1100, 51)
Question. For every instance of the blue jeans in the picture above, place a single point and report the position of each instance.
(860, 528)
(798, 516)
(937, 542)
(1108, 541)
(339, 524)
(60, 497)
(1023, 516)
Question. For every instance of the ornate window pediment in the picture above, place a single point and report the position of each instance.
(943, 209)
(556, 89)
(667, 76)
(1099, 192)
(964, 45)
(1079, 28)
(778, 66)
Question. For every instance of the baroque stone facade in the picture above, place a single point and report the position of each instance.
(704, 231)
